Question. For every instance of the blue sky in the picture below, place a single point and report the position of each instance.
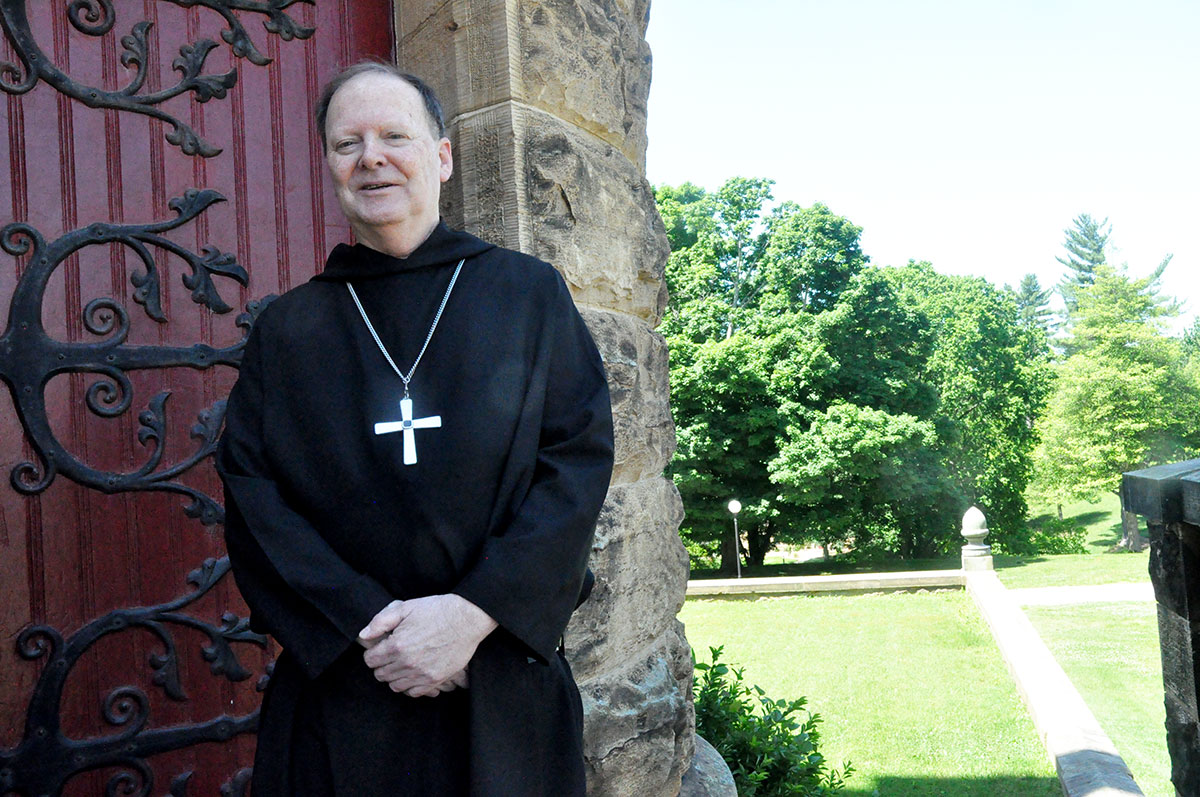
(964, 133)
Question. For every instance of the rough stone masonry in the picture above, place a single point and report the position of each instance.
(546, 103)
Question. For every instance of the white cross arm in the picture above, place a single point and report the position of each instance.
(408, 425)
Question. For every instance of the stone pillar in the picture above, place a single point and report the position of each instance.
(1168, 497)
(976, 554)
(546, 104)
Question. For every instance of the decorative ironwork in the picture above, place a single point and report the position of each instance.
(29, 357)
(96, 18)
(46, 759)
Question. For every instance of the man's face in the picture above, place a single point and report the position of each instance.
(386, 164)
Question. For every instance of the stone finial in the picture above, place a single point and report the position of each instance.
(976, 554)
(974, 526)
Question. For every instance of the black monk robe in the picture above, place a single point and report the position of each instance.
(326, 524)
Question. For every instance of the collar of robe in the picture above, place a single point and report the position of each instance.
(444, 246)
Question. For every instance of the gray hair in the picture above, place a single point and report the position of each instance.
(433, 108)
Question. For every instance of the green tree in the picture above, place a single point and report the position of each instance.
(811, 255)
(725, 416)
(1125, 398)
(1086, 243)
(992, 378)
(858, 369)
(1033, 304)
(727, 423)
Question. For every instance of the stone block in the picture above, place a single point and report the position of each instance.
(1178, 658)
(1183, 745)
(635, 359)
(641, 576)
(528, 181)
(709, 775)
(589, 211)
(586, 62)
(461, 47)
(483, 196)
(1167, 567)
(638, 722)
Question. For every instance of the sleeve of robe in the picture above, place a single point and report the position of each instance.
(298, 589)
(529, 574)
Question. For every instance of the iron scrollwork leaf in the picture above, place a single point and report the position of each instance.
(46, 759)
(97, 17)
(30, 358)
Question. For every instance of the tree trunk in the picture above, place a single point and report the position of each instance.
(1060, 517)
(728, 555)
(760, 544)
(1131, 537)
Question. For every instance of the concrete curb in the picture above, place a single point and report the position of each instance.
(857, 582)
(1088, 764)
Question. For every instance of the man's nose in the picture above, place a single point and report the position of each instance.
(372, 153)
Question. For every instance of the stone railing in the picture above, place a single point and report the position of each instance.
(1168, 497)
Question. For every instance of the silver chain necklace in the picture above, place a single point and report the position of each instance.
(407, 424)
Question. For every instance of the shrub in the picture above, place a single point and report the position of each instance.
(771, 748)
(703, 556)
(1055, 536)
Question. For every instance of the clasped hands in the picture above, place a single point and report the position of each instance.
(421, 647)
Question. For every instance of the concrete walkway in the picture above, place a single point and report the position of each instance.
(1098, 593)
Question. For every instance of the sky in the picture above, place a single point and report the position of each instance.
(965, 133)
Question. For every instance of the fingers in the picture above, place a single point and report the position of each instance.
(409, 685)
(383, 623)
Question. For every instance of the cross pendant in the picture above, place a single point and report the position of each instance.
(407, 425)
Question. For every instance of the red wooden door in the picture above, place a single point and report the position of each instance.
(163, 175)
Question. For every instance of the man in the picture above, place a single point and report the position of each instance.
(415, 455)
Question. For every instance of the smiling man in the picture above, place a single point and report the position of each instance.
(414, 457)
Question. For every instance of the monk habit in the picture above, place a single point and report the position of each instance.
(326, 524)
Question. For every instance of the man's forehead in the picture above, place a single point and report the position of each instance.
(382, 88)
(384, 91)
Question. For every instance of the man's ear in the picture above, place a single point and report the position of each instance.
(446, 157)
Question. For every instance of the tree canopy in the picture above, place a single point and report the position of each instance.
(839, 402)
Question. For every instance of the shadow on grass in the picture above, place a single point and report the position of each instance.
(1115, 533)
(838, 567)
(1081, 519)
(996, 786)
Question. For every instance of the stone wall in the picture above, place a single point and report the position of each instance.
(546, 102)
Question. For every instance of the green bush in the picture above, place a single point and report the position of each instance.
(701, 555)
(771, 748)
(1055, 536)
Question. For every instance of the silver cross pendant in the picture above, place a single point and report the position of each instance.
(408, 425)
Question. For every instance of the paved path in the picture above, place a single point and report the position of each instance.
(1099, 593)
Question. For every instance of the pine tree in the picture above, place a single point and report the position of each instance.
(1033, 303)
(1086, 241)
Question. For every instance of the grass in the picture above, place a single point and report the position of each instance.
(1101, 519)
(911, 688)
(1110, 652)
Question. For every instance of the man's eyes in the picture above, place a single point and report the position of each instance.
(350, 144)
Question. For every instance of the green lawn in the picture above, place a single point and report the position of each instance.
(1080, 570)
(910, 685)
(1110, 652)
(1101, 518)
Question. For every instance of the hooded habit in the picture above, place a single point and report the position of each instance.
(326, 525)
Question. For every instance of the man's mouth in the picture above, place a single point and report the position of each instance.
(374, 186)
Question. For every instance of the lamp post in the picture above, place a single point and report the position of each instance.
(735, 506)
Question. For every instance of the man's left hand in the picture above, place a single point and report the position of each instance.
(431, 641)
